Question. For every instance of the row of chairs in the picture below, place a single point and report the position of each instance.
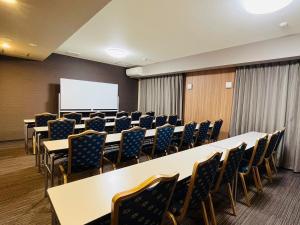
(174, 200)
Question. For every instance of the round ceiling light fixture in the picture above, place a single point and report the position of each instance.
(116, 52)
(264, 6)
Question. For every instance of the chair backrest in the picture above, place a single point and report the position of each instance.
(146, 121)
(160, 120)
(85, 151)
(41, 120)
(172, 119)
(136, 115)
(60, 129)
(202, 179)
(202, 133)
(216, 130)
(131, 144)
(258, 151)
(162, 139)
(188, 134)
(150, 113)
(74, 116)
(121, 114)
(95, 123)
(145, 204)
(98, 114)
(281, 134)
(122, 123)
(230, 165)
(272, 141)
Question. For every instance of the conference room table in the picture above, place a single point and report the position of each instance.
(30, 123)
(86, 200)
(62, 146)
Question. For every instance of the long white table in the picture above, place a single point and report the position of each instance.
(85, 200)
(56, 146)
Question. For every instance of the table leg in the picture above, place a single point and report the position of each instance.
(46, 173)
(38, 155)
(26, 137)
(52, 169)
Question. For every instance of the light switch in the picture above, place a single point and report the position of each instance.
(228, 85)
(189, 86)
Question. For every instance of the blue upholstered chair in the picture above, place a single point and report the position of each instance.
(130, 147)
(214, 135)
(60, 129)
(146, 121)
(98, 114)
(146, 204)
(41, 120)
(272, 141)
(85, 153)
(228, 170)
(190, 194)
(150, 113)
(187, 137)
(160, 120)
(172, 119)
(135, 116)
(123, 123)
(248, 165)
(95, 123)
(74, 116)
(121, 114)
(274, 154)
(162, 141)
(202, 133)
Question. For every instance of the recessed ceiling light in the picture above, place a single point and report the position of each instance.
(32, 44)
(264, 6)
(10, 1)
(5, 45)
(116, 52)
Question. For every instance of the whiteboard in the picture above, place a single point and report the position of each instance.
(87, 95)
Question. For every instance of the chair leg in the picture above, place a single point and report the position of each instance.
(245, 189)
(229, 190)
(171, 217)
(259, 179)
(268, 169)
(204, 213)
(273, 162)
(255, 180)
(212, 210)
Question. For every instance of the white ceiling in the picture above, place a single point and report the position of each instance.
(45, 23)
(159, 30)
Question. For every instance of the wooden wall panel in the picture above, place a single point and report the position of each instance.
(209, 99)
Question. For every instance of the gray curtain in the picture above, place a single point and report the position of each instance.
(163, 95)
(267, 98)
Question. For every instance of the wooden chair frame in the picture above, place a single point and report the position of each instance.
(221, 174)
(255, 172)
(118, 198)
(187, 200)
(66, 174)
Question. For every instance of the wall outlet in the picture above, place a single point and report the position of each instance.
(189, 86)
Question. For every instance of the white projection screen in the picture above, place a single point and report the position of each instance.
(88, 95)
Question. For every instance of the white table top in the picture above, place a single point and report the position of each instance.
(249, 138)
(85, 200)
(58, 145)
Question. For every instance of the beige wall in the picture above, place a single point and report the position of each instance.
(209, 99)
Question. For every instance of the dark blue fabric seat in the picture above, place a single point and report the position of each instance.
(172, 119)
(73, 116)
(135, 116)
(187, 138)
(160, 120)
(97, 114)
(95, 123)
(85, 153)
(214, 135)
(41, 120)
(123, 123)
(202, 134)
(121, 114)
(146, 121)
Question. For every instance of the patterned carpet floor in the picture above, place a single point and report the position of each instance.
(22, 200)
